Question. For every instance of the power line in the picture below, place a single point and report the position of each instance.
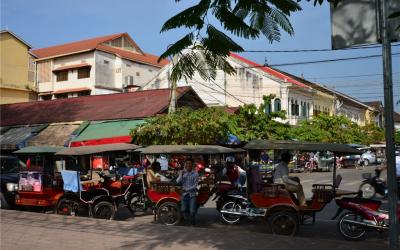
(326, 61)
(316, 50)
(348, 76)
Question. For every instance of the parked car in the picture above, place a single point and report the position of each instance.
(10, 166)
(368, 158)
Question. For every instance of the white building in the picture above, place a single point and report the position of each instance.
(101, 65)
(248, 86)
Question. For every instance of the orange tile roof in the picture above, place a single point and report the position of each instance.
(146, 58)
(74, 66)
(62, 91)
(68, 48)
(270, 71)
(96, 43)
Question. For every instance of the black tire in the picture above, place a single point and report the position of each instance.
(229, 218)
(68, 207)
(3, 202)
(104, 210)
(168, 213)
(366, 163)
(350, 232)
(136, 204)
(367, 191)
(284, 223)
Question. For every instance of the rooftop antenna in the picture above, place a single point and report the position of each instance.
(265, 61)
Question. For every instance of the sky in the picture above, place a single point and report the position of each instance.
(43, 23)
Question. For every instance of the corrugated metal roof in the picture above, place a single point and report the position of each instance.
(107, 129)
(301, 146)
(131, 105)
(187, 149)
(38, 150)
(86, 150)
(54, 135)
(16, 137)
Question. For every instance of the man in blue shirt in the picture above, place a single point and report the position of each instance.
(189, 179)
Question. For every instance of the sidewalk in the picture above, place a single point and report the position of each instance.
(23, 230)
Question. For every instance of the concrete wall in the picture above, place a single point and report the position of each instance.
(14, 70)
(73, 81)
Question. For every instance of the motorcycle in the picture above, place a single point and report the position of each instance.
(373, 185)
(362, 215)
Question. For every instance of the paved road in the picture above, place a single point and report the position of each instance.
(24, 230)
(21, 228)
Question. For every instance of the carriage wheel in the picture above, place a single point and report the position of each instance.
(284, 223)
(104, 210)
(68, 207)
(169, 213)
(233, 207)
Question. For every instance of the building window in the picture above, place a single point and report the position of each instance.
(46, 97)
(83, 93)
(106, 62)
(84, 72)
(129, 80)
(277, 105)
(128, 65)
(295, 108)
(267, 109)
(62, 75)
(150, 70)
(137, 73)
(62, 96)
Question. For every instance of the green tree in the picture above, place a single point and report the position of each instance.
(260, 123)
(186, 126)
(210, 125)
(325, 128)
(372, 134)
(397, 138)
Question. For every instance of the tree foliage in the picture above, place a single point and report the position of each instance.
(205, 49)
(186, 126)
(210, 125)
(337, 129)
(260, 123)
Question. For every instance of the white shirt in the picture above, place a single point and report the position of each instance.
(281, 174)
(398, 165)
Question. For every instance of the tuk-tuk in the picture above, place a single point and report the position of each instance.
(272, 201)
(164, 196)
(40, 184)
(99, 178)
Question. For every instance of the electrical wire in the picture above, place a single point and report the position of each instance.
(316, 50)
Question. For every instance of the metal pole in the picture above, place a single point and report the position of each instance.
(389, 125)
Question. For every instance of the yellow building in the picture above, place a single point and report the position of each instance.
(17, 69)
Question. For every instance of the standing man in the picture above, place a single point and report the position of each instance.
(189, 179)
(281, 175)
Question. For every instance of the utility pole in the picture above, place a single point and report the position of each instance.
(389, 123)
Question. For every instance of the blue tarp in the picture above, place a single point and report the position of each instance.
(71, 180)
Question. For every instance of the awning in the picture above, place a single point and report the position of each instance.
(87, 150)
(16, 137)
(54, 135)
(63, 91)
(38, 150)
(187, 149)
(106, 132)
(301, 146)
(74, 66)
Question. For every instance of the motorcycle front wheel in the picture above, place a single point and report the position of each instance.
(350, 231)
(368, 191)
(232, 207)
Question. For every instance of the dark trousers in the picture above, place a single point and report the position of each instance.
(189, 207)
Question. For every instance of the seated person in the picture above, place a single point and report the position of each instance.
(281, 176)
(153, 174)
